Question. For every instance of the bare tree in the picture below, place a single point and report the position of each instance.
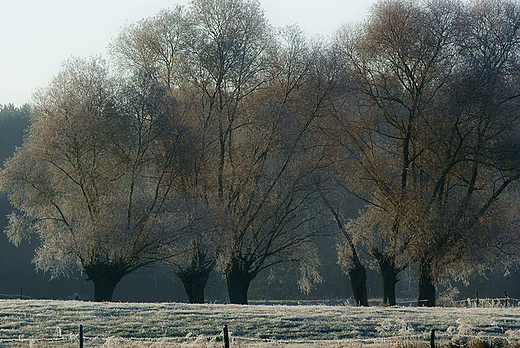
(330, 134)
(259, 178)
(247, 172)
(476, 148)
(92, 178)
(348, 256)
(420, 145)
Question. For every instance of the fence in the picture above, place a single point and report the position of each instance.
(498, 302)
(55, 324)
(433, 338)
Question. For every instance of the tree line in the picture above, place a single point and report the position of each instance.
(214, 141)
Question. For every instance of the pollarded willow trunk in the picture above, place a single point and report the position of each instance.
(389, 279)
(426, 286)
(104, 289)
(238, 279)
(194, 281)
(358, 283)
(105, 278)
(356, 271)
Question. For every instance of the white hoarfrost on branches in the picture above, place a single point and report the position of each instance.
(95, 176)
(429, 137)
(254, 163)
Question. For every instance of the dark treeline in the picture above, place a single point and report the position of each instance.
(216, 144)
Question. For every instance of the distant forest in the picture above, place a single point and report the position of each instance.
(220, 153)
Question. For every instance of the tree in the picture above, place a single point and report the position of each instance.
(160, 47)
(420, 145)
(225, 65)
(93, 176)
(286, 162)
(348, 256)
(331, 186)
(471, 199)
(251, 169)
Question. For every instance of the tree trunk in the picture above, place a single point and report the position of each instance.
(104, 289)
(426, 286)
(194, 281)
(358, 283)
(389, 278)
(238, 278)
(105, 278)
(357, 273)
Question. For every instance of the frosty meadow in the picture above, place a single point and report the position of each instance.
(45, 323)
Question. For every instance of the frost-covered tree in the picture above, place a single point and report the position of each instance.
(472, 153)
(93, 177)
(160, 46)
(347, 248)
(431, 138)
(254, 160)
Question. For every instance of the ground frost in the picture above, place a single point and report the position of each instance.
(35, 323)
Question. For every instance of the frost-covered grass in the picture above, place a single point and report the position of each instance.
(39, 323)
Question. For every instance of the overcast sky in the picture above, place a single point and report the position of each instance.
(36, 36)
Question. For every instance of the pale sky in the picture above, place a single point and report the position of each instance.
(36, 36)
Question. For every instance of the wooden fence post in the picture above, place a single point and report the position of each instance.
(477, 298)
(432, 339)
(80, 336)
(226, 337)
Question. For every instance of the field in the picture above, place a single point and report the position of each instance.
(40, 323)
